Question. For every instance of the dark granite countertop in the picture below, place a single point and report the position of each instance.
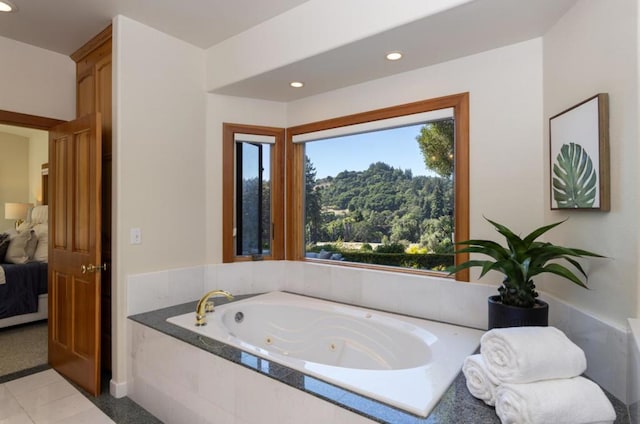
(456, 405)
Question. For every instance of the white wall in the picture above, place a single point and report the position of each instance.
(36, 81)
(634, 371)
(22, 153)
(505, 87)
(159, 133)
(14, 173)
(38, 154)
(593, 49)
(638, 152)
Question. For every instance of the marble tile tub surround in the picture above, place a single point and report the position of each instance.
(183, 377)
(441, 299)
(200, 387)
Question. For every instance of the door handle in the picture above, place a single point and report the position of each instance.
(93, 268)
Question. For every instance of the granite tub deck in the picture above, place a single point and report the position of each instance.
(456, 405)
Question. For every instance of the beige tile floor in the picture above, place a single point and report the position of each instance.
(46, 398)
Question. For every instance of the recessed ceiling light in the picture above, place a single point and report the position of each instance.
(394, 56)
(6, 6)
(296, 84)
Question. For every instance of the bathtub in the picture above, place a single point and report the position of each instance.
(404, 362)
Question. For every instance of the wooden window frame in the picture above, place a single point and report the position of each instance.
(228, 191)
(295, 174)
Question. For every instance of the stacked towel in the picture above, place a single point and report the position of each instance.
(480, 382)
(567, 401)
(526, 354)
(531, 374)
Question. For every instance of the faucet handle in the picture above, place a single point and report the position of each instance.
(208, 307)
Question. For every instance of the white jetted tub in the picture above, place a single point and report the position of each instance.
(404, 362)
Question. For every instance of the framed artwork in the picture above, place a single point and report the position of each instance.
(579, 156)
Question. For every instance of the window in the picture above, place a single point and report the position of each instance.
(384, 214)
(376, 201)
(253, 198)
(252, 208)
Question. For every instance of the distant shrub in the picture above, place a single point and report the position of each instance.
(416, 250)
(325, 247)
(390, 248)
(366, 247)
(429, 261)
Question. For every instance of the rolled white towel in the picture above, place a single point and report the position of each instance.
(480, 382)
(527, 354)
(566, 401)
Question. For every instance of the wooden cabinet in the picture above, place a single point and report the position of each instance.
(93, 94)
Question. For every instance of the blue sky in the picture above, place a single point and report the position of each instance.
(396, 147)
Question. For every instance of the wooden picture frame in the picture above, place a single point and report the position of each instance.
(579, 156)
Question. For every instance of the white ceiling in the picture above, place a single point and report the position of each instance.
(64, 25)
(471, 28)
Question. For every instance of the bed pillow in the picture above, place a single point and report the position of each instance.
(41, 253)
(4, 245)
(25, 226)
(39, 214)
(32, 244)
(21, 247)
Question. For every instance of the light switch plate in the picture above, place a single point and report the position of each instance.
(136, 236)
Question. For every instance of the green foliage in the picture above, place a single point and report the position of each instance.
(326, 247)
(574, 181)
(406, 260)
(390, 248)
(380, 203)
(414, 249)
(436, 262)
(437, 235)
(436, 144)
(406, 227)
(252, 240)
(313, 208)
(521, 260)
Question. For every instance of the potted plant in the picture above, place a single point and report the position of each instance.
(522, 259)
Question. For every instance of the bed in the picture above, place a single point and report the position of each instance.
(23, 271)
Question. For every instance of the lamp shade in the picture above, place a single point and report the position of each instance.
(16, 210)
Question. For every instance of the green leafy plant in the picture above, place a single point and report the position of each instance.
(574, 181)
(521, 260)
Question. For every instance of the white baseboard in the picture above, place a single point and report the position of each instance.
(118, 390)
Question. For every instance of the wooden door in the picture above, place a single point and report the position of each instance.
(75, 174)
(93, 94)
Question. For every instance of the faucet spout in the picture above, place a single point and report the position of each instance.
(201, 308)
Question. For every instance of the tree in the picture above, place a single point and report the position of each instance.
(437, 204)
(436, 144)
(437, 234)
(406, 227)
(381, 204)
(255, 217)
(312, 202)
